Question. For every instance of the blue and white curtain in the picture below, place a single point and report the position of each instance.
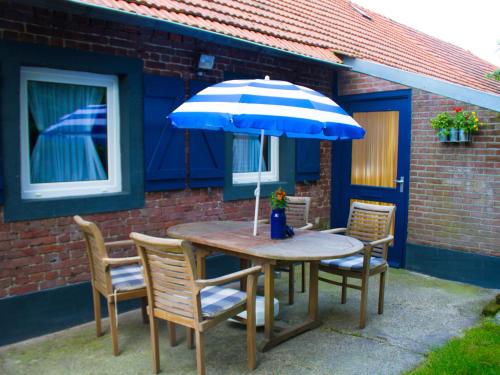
(246, 149)
(64, 115)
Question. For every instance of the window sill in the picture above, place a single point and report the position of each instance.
(246, 191)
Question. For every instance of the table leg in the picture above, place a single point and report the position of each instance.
(269, 300)
(313, 291)
(273, 338)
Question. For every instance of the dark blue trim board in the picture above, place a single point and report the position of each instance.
(39, 313)
(426, 83)
(454, 265)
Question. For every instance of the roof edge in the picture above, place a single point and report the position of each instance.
(419, 81)
(117, 15)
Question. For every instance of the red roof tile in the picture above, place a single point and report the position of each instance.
(321, 28)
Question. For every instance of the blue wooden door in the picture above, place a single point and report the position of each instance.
(375, 169)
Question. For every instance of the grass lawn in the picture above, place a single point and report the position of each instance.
(478, 352)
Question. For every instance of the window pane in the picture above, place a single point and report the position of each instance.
(246, 149)
(375, 158)
(67, 132)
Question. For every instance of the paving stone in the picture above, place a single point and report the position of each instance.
(420, 313)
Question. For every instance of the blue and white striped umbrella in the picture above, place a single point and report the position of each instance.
(266, 107)
(277, 107)
(66, 150)
(89, 120)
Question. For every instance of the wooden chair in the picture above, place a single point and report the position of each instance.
(177, 296)
(117, 279)
(297, 216)
(371, 224)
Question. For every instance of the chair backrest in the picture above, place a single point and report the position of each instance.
(96, 251)
(371, 222)
(169, 270)
(297, 211)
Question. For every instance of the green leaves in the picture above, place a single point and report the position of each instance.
(278, 199)
(494, 75)
(443, 122)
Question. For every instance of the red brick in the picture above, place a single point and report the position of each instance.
(48, 253)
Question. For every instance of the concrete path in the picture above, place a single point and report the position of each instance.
(420, 313)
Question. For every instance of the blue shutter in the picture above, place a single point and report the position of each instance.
(2, 198)
(206, 151)
(307, 156)
(164, 155)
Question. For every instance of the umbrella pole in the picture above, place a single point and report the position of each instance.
(257, 190)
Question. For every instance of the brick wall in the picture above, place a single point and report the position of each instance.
(454, 189)
(41, 254)
(351, 83)
(453, 193)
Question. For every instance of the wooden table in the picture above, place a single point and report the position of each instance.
(235, 238)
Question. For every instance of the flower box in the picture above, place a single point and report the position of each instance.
(455, 129)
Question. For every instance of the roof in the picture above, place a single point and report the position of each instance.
(324, 30)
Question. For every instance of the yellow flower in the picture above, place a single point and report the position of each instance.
(474, 113)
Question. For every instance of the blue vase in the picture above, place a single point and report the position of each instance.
(278, 224)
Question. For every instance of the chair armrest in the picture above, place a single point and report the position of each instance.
(202, 283)
(381, 241)
(123, 243)
(307, 226)
(120, 261)
(335, 230)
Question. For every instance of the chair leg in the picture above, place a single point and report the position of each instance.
(364, 297)
(343, 298)
(303, 277)
(381, 293)
(200, 353)
(113, 327)
(291, 284)
(244, 263)
(155, 350)
(144, 309)
(97, 311)
(172, 338)
(189, 338)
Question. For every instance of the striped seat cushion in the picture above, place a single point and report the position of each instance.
(352, 263)
(127, 277)
(215, 299)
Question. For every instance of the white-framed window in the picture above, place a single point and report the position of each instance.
(70, 133)
(246, 150)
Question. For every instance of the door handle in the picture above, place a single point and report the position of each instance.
(401, 183)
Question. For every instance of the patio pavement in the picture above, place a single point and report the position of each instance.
(420, 313)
